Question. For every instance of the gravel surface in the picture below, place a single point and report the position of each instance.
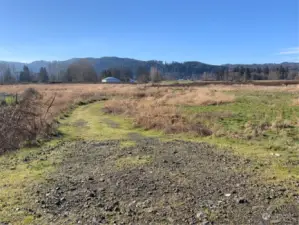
(158, 182)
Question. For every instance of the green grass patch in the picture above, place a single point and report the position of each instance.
(98, 125)
(10, 100)
(133, 161)
(262, 116)
(172, 82)
(127, 143)
(19, 171)
(259, 124)
(28, 220)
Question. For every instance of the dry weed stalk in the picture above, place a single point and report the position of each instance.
(25, 121)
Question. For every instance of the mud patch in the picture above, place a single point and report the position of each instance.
(111, 123)
(160, 183)
(80, 123)
(135, 136)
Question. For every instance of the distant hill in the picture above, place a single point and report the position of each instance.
(177, 69)
(99, 63)
(104, 63)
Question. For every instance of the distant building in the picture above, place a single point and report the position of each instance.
(110, 80)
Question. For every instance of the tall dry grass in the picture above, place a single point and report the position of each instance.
(151, 107)
(151, 115)
(158, 107)
(70, 93)
(196, 96)
(65, 95)
(296, 101)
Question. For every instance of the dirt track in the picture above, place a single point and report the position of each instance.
(159, 183)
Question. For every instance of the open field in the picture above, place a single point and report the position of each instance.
(68, 94)
(185, 83)
(217, 154)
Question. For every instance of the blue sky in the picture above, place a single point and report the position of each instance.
(211, 31)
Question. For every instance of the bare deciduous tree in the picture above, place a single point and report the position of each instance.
(155, 75)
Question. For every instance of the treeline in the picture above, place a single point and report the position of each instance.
(77, 72)
(242, 73)
(81, 72)
(85, 70)
(25, 76)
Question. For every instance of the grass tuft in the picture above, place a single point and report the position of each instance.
(127, 143)
(133, 161)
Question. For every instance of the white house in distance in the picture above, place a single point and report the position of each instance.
(110, 80)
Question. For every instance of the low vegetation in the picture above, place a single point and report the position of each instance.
(260, 124)
(24, 121)
(151, 116)
(30, 117)
(240, 112)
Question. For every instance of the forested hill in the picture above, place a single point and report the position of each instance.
(105, 63)
(99, 64)
(175, 70)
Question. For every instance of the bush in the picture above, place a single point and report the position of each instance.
(24, 121)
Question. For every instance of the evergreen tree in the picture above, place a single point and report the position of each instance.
(282, 73)
(43, 75)
(266, 72)
(8, 77)
(25, 75)
(247, 74)
(241, 71)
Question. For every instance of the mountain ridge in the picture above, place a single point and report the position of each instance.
(108, 62)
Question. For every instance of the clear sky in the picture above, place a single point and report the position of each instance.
(211, 31)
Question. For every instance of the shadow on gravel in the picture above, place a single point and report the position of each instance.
(159, 183)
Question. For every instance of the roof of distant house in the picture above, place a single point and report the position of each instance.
(111, 79)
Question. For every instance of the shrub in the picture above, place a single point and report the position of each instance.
(24, 121)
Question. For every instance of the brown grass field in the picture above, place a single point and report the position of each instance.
(229, 83)
(164, 97)
(211, 94)
(68, 94)
(158, 107)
